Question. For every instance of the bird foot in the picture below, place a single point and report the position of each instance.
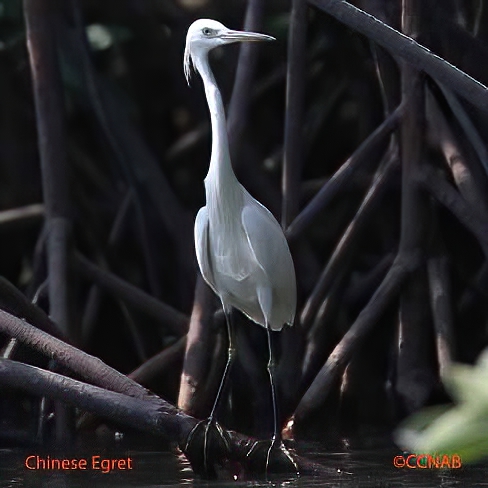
(271, 456)
(206, 444)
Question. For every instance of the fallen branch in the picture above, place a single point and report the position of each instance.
(157, 417)
(87, 367)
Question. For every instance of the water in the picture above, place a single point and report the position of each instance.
(349, 469)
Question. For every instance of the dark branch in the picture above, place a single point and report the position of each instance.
(295, 98)
(200, 346)
(352, 340)
(40, 18)
(88, 367)
(156, 417)
(440, 303)
(411, 51)
(244, 81)
(344, 249)
(172, 318)
(34, 211)
(16, 303)
(157, 364)
(469, 178)
(360, 158)
(436, 184)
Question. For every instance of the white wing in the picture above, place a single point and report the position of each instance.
(271, 252)
(202, 248)
(265, 237)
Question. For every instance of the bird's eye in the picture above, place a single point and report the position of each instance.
(207, 31)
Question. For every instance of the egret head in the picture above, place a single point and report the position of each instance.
(206, 34)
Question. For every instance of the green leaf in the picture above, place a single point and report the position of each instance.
(461, 429)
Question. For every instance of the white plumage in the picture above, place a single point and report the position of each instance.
(241, 249)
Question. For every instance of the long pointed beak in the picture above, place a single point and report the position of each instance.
(236, 36)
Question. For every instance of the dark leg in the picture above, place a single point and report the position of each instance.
(211, 422)
(276, 442)
(276, 439)
(276, 453)
(212, 431)
(282, 459)
(271, 368)
(230, 358)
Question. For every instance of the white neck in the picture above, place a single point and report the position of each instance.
(220, 169)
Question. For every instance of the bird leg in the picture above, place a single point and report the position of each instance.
(277, 455)
(271, 369)
(276, 442)
(212, 431)
(269, 455)
(230, 359)
(265, 302)
(216, 443)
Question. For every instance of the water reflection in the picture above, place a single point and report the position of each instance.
(351, 469)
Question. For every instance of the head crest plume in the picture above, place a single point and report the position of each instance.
(187, 62)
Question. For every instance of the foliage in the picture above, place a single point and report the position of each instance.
(461, 429)
(377, 165)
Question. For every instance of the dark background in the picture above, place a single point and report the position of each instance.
(136, 137)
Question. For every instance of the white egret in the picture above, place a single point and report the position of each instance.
(241, 249)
